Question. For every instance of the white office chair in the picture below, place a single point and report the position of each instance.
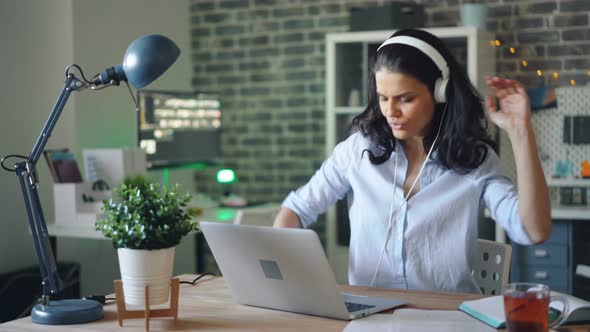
(491, 266)
(259, 216)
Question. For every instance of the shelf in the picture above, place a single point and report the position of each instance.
(75, 231)
(87, 229)
(348, 110)
(570, 212)
(568, 182)
(580, 213)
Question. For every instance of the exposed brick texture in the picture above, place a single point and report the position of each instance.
(266, 58)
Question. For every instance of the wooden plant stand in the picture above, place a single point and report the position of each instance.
(147, 313)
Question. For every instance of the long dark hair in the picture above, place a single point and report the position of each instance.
(461, 145)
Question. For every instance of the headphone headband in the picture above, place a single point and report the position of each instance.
(424, 47)
(433, 54)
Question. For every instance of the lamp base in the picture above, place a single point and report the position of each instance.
(64, 312)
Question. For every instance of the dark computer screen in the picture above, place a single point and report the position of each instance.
(179, 128)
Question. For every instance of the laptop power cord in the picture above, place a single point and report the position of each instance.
(103, 299)
(99, 298)
(198, 278)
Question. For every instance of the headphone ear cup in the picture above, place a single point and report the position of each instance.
(440, 90)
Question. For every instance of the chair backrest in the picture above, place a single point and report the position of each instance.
(491, 266)
(258, 216)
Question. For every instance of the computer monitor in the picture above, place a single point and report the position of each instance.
(179, 128)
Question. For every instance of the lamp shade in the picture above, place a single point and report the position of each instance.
(146, 59)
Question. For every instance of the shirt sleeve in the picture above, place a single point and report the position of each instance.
(501, 198)
(329, 184)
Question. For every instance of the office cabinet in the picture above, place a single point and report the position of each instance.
(554, 262)
(348, 61)
(547, 263)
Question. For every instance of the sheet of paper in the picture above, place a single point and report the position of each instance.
(419, 320)
(376, 322)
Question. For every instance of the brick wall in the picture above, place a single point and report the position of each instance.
(266, 58)
(553, 36)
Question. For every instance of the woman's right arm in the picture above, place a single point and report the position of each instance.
(287, 218)
(330, 183)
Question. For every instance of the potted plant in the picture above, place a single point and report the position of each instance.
(145, 223)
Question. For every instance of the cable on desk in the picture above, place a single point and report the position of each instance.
(198, 278)
(103, 299)
(99, 298)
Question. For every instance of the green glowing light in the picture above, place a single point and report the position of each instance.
(226, 176)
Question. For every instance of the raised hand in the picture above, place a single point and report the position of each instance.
(514, 113)
(514, 116)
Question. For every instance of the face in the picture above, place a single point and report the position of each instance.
(405, 102)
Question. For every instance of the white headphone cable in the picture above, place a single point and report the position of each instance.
(392, 216)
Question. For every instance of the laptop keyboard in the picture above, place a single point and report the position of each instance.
(352, 307)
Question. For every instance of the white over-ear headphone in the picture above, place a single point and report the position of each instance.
(440, 86)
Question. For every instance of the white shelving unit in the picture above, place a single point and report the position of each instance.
(568, 183)
(347, 66)
(573, 212)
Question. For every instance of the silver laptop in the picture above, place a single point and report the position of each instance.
(284, 269)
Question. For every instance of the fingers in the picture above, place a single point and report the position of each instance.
(503, 86)
(492, 112)
(491, 106)
(502, 82)
(501, 93)
(498, 85)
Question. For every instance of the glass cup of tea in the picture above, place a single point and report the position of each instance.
(526, 306)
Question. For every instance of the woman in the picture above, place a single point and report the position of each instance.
(420, 165)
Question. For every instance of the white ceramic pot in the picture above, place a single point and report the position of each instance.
(141, 267)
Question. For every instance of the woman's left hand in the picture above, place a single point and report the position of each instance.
(514, 113)
(514, 116)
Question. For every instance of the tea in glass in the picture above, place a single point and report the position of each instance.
(526, 306)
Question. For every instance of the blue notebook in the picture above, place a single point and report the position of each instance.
(490, 310)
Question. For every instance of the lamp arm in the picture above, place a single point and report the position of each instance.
(29, 183)
(47, 266)
(71, 84)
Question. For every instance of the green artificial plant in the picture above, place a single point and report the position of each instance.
(146, 216)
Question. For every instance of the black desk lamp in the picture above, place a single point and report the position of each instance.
(145, 60)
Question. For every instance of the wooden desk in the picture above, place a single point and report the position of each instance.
(209, 305)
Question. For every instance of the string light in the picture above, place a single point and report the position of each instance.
(525, 63)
